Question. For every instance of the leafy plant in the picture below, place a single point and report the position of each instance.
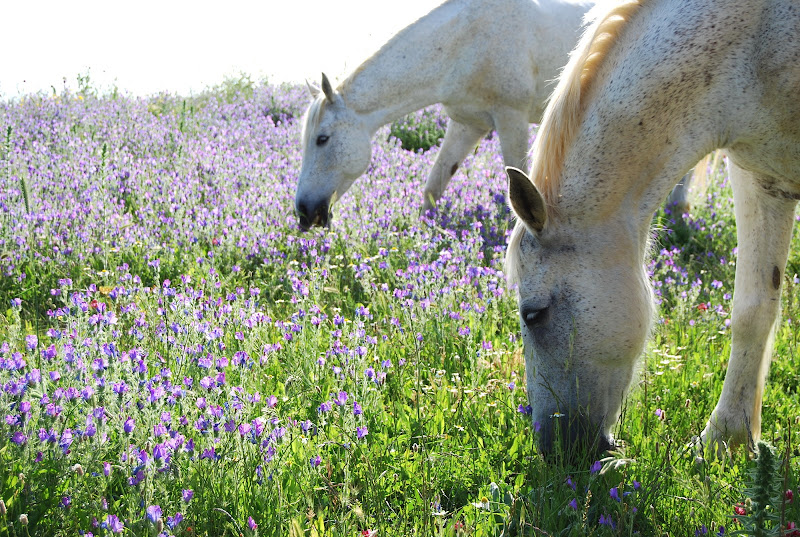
(419, 131)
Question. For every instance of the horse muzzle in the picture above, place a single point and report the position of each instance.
(571, 438)
(313, 215)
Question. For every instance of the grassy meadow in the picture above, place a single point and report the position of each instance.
(176, 358)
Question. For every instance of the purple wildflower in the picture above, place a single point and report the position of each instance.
(153, 513)
(173, 521)
(129, 425)
(114, 524)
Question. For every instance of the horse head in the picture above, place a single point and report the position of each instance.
(585, 309)
(336, 151)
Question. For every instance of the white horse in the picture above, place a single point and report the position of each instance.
(459, 55)
(653, 86)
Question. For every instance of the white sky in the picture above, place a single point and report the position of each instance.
(181, 46)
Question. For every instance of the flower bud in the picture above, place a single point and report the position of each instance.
(2, 507)
(23, 519)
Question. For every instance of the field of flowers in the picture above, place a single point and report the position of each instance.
(176, 358)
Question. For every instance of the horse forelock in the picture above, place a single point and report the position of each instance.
(565, 109)
(513, 263)
(312, 119)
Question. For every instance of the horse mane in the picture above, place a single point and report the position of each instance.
(564, 111)
(312, 118)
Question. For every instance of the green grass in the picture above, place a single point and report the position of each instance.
(447, 451)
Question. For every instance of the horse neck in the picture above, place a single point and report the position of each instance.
(635, 141)
(404, 75)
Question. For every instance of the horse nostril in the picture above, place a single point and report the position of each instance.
(303, 216)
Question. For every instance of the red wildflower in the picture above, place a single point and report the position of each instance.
(789, 495)
(702, 306)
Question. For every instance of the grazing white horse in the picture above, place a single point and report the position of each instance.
(461, 55)
(653, 86)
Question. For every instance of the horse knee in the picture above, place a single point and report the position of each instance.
(754, 318)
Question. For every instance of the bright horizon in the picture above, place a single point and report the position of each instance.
(183, 47)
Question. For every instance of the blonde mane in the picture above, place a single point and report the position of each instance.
(564, 111)
(312, 119)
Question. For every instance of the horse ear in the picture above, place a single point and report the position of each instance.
(526, 200)
(312, 89)
(327, 89)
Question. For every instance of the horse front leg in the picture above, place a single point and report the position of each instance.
(459, 140)
(764, 230)
(513, 130)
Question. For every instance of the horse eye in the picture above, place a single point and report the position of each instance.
(536, 317)
(322, 139)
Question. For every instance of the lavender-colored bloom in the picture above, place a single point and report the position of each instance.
(315, 461)
(614, 493)
(153, 513)
(160, 452)
(66, 440)
(574, 503)
(19, 438)
(31, 342)
(186, 495)
(340, 398)
(106, 469)
(114, 524)
(251, 523)
(596, 466)
(129, 425)
(361, 432)
(173, 521)
(607, 521)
